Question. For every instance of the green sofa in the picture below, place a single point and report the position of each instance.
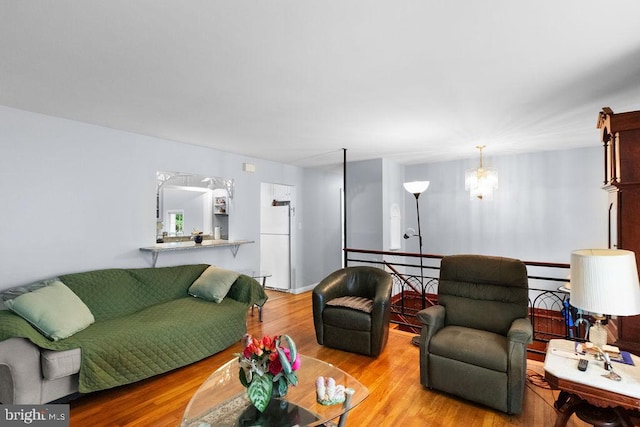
(146, 323)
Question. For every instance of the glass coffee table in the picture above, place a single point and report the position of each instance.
(222, 400)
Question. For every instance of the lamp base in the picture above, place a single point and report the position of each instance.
(598, 333)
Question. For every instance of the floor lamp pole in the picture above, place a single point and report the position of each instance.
(420, 248)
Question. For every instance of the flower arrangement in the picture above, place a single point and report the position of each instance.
(267, 368)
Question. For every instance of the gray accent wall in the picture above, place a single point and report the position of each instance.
(77, 197)
(547, 204)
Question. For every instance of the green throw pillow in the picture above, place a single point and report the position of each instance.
(213, 284)
(54, 310)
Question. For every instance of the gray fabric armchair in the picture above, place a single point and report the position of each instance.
(473, 344)
(352, 308)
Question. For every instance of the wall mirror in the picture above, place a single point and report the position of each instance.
(188, 203)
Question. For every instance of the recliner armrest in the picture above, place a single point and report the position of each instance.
(432, 319)
(521, 331)
(432, 316)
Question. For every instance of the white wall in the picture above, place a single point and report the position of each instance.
(364, 205)
(77, 197)
(547, 205)
(320, 209)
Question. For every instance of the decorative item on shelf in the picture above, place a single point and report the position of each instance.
(267, 369)
(328, 392)
(197, 236)
(604, 282)
(482, 181)
(221, 205)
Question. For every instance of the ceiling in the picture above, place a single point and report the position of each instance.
(413, 81)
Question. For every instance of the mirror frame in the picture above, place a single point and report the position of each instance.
(181, 179)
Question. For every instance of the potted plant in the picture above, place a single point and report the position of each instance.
(197, 236)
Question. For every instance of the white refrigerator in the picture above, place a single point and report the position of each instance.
(275, 256)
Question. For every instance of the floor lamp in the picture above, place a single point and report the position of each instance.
(416, 188)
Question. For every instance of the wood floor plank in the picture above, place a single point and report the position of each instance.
(396, 396)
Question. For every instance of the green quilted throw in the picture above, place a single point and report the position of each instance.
(117, 292)
(159, 337)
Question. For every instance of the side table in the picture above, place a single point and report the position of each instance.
(593, 398)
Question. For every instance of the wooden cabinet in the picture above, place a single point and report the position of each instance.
(620, 135)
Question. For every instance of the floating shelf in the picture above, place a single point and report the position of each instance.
(158, 248)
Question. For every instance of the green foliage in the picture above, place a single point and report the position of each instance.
(243, 378)
(292, 378)
(259, 391)
(293, 351)
(286, 362)
(282, 387)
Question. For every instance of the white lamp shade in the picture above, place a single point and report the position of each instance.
(605, 281)
(416, 187)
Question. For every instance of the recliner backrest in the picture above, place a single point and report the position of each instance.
(483, 292)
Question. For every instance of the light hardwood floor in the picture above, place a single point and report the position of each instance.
(396, 396)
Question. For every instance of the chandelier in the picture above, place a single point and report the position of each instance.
(481, 182)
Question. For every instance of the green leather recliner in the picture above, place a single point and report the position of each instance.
(473, 344)
(352, 328)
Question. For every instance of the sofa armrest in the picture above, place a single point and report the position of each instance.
(20, 372)
(247, 290)
(521, 331)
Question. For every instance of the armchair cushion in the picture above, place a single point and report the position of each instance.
(473, 346)
(357, 320)
(357, 303)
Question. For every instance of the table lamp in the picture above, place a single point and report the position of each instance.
(604, 282)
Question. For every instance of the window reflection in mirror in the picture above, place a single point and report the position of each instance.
(186, 205)
(176, 222)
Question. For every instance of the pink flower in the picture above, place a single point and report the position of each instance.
(296, 363)
(246, 353)
(275, 367)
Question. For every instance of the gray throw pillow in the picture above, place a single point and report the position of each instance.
(213, 284)
(13, 293)
(54, 310)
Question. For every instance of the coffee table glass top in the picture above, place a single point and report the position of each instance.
(222, 400)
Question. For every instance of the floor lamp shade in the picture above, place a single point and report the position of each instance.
(416, 187)
(605, 281)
